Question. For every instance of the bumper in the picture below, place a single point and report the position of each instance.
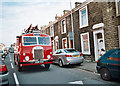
(36, 62)
(4, 79)
(75, 61)
(98, 69)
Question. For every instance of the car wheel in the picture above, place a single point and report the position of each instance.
(105, 74)
(47, 66)
(60, 63)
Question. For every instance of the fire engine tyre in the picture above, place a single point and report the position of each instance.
(19, 68)
(60, 63)
(105, 74)
(47, 66)
(14, 60)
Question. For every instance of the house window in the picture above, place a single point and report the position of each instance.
(85, 45)
(51, 31)
(83, 17)
(56, 44)
(64, 43)
(118, 7)
(63, 26)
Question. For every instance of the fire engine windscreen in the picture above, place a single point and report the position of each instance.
(30, 41)
(44, 40)
(33, 41)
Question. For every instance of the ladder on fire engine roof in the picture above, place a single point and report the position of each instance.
(32, 29)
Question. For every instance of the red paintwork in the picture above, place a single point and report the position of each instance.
(37, 63)
(3, 68)
(28, 51)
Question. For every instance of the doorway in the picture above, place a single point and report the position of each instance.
(99, 43)
(70, 43)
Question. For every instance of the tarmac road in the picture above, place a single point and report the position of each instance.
(55, 75)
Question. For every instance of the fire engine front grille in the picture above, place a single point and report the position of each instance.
(38, 54)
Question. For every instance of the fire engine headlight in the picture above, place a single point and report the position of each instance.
(48, 56)
(27, 58)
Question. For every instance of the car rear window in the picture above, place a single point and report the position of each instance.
(70, 51)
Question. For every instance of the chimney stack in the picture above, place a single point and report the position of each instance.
(56, 17)
(77, 4)
(65, 11)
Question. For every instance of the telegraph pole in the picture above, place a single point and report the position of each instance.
(72, 25)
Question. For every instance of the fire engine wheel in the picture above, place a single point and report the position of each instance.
(19, 68)
(105, 74)
(47, 66)
(14, 60)
(60, 63)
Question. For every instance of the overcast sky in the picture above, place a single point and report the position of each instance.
(17, 15)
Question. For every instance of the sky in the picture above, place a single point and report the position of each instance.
(17, 15)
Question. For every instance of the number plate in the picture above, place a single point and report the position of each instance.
(76, 56)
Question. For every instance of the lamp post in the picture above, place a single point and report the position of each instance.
(72, 25)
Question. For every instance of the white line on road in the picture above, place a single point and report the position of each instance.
(76, 82)
(16, 80)
(12, 65)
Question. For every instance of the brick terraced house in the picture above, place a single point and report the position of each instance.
(96, 26)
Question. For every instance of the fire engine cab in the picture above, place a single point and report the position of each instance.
(33, 49)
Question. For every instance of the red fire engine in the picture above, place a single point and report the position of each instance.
(33, 49)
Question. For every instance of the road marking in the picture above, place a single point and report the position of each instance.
(76, 82)
(12, 65)
(16, 80)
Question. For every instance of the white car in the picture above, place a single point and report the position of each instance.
(67, 56)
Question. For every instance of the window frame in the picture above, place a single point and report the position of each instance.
(117, 8)
(62, 42)
(119, 34)
(63, 27)
(80, 17)
(82, 48)
(51, 31)
(56, 46)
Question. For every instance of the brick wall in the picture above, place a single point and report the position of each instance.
(94, 17)
(111, 25)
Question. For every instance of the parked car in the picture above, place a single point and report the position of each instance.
(108, 65)
(67, 56)
(3, 54)
(3, 74)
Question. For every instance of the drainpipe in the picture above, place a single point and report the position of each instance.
(72, 25)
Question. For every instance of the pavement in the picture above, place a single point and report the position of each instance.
(89, 66)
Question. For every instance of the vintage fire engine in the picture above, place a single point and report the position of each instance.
(33, 49)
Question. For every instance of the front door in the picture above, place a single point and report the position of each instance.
(99, 43)
(100, 46)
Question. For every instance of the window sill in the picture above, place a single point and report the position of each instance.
(83, 26)
(63, 32)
